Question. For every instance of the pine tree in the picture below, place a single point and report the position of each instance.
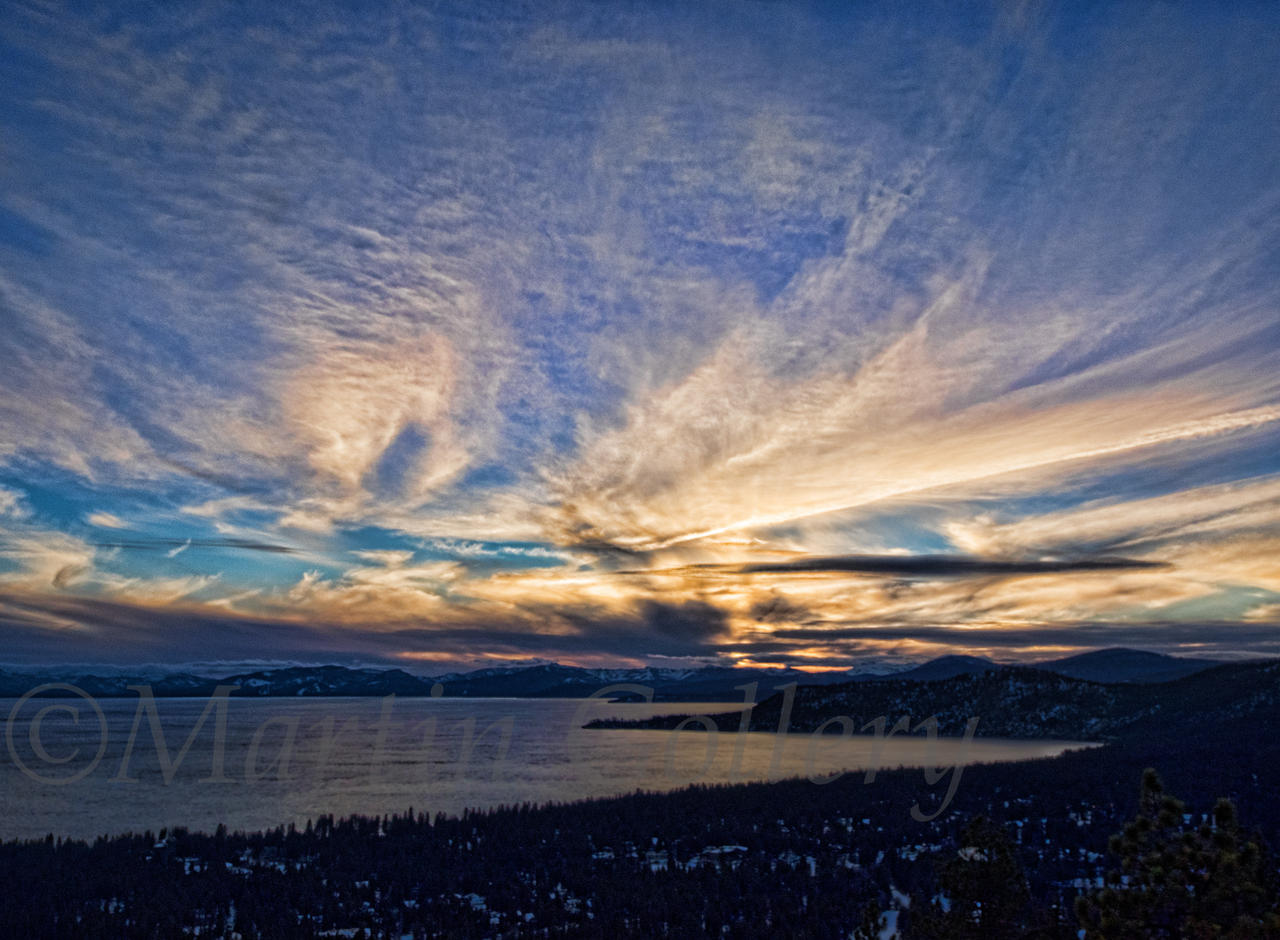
(986, 889)
(1177, 882)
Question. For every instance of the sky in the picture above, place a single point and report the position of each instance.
(637, 333)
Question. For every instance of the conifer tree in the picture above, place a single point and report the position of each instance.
(985, 887)
(1176, 881)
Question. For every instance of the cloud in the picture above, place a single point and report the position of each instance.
(172, 547)
(12, 504)
(40, 629)
(693, 620)
(36, 628)
(733, 449)
(351, 408)
(385, 557)
(1195, 513)
(779, 609)
(105, 520)
(942, 566)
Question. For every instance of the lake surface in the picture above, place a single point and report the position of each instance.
(81, 769)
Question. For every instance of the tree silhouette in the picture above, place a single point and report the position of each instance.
(985, 887)
(1176, 881)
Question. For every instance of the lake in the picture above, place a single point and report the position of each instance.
(81, 769)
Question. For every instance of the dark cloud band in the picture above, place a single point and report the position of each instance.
(168, 544)
(920, 566)
(944, 566)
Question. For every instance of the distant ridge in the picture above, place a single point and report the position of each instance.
(1021, 702)
(946, 667)
(518, 680)
(1107, 665)
(542, 679)
(1126, 665)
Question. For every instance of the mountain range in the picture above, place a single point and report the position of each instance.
(539, 679)
(1021, 702)
(1107, 665)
